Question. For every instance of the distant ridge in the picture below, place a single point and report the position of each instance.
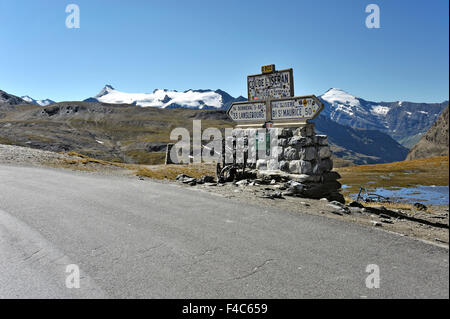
(38, 102)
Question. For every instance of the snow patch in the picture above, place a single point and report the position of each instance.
(380, 110)
(27, 99)
(338, 96)
(162, 98)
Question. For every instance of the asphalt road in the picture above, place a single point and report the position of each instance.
(140, 239)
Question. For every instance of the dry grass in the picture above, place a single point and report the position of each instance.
(86, 163)
(85, 160)
(147, 158)
(6, 141)
(401, 206)
(429, 171)
(172, 171)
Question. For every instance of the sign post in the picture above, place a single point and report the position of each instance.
(271, 101)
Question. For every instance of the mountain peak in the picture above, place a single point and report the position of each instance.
(107, 89)
(335, 95)
(334, 91)
(30, 100)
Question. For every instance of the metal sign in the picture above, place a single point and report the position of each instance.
(274, 85)
(296, 108)
(271, 101)
(244, 112)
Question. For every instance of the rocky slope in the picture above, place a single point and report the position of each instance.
(435, 141)
(8, 100)
(358, 145)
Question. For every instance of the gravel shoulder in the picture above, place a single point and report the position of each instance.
(24, 156)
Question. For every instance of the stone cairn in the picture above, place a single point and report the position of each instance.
(303, 160)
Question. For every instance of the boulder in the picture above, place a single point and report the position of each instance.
(291, 154)
(324, 152)
(207, 179)
(326, 165)
(331, 176)
(322, 140)
(356, 204)
(308, 153)
(300, 167)
(284, 166)
(299, 141)
(305, 131)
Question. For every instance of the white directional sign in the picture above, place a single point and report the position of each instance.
(274, 85)
(248, 112)
(296, 108)
(271, 101)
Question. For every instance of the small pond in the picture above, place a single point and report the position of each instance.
(434, 195)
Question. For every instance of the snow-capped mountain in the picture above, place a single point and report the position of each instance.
(193, 99)
(404, 121)
(38, 102)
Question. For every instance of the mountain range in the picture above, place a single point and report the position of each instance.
(405, 122)
(168, 99)
(37, 102)
(360, 131)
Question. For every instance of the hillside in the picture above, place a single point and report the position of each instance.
(119, 132)
(133, 134)
(360, 146)
(434, 142)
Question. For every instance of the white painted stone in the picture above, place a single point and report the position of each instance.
(261, 164)
(273, 164)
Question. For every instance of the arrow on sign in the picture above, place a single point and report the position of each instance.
(246, 112)
(295, 108)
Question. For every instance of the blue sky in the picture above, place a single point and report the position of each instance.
(138, 46)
